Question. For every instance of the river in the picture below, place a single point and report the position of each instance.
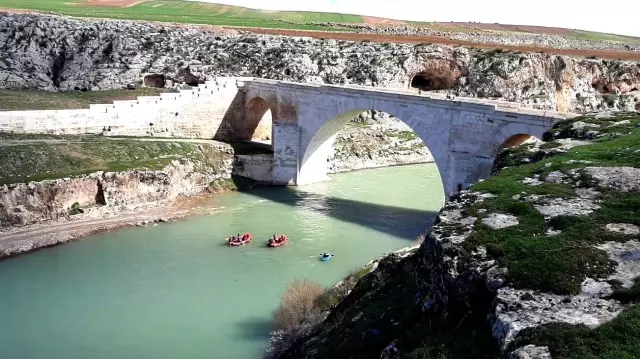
(176, 291)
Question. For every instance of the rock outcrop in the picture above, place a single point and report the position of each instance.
(105, 192)
(376, 139)
(500, 274)
(59, 54)
(473, 34)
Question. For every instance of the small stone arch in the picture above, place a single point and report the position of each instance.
(515, 141)
(515, 134)
(258, 121)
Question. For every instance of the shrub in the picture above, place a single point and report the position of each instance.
(419, 239)
(297, 307)
(75, 209)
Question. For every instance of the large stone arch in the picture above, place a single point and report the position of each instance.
(463, 135)
(319, 129)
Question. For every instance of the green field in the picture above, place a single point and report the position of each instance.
(13, 100)
(599, 36)
(180, 11)
(193, 12)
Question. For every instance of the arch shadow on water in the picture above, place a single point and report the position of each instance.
(255, 329)
(401, 222)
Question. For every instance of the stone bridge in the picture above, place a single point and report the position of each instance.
(463, 134)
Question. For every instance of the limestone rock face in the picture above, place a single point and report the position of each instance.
(479, 35)
(97, 193)
(59, 54)
(376, 139)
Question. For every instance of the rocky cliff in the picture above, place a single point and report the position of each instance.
(57, 53)
(472, 33)
(539, 261)
(376, 139)
(101, 193)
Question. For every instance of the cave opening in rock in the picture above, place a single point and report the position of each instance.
(154, 80)
(429, 81)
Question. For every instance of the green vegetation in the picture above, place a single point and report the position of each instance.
(599, 36)
(559, 263)
(186, 12)
(14, 100)
(407, 135)
(223, 185)
(75, 209)
(626, 295)
(402, 301)
(617, 339)
(56, 157)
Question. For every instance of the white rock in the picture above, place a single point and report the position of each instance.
(626, 179)
(555, 177)
(588, 193)
(499, 220)
(620, 123)
(531, 181)
(594, 288)
(580, 125)
(552, 232)
(520, 309)
(531, 352)
(627, 255)
(566, 207)
(623, 228)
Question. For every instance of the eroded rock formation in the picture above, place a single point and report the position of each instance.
(57, 53)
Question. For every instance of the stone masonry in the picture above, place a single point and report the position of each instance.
(463, 134)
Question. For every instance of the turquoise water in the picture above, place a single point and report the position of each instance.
(176, 291)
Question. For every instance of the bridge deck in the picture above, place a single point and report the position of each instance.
(495, 105)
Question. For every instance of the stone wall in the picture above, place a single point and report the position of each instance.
(202, 112)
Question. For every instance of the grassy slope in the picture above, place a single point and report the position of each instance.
(75, 155)
(179, 11)
(190, 12)
(570, 256)
(15, 100)
(560, 263)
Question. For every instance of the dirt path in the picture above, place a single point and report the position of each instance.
(111, 3)
(14, 241)
(51, 141)
(416, 39)
(401, 39)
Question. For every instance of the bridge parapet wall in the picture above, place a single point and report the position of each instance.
(193, 113)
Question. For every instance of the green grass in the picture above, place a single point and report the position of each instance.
(617, 339)
(599, 36)
(39, 161)
(187, 12)
(16, 100)
(559, 263)
(626, 295)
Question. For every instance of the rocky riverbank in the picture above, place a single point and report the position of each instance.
(57, 53)
(102, 199)
(539, 261)
(376, 139)
(158, 178)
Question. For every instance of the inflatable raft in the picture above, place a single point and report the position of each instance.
(235, 241)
